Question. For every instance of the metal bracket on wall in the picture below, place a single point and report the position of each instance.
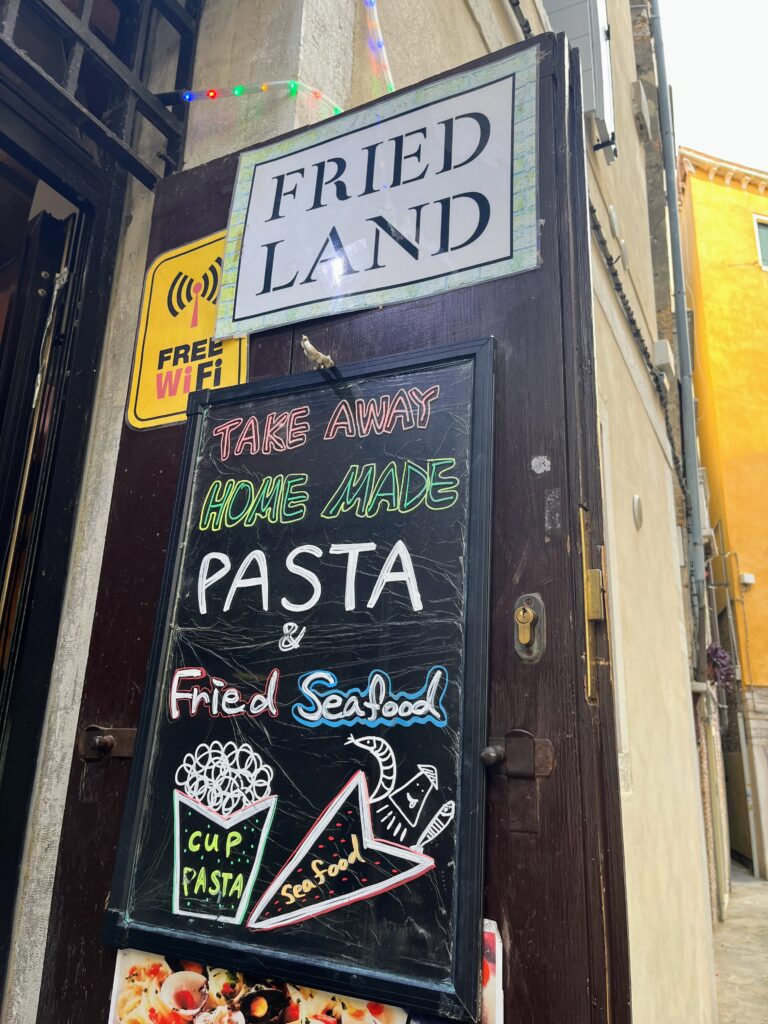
(521, 759)
(99, 741)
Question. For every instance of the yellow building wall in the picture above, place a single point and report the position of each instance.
(728, 291)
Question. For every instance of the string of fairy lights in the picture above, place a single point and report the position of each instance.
(376, 43)
(294, 87)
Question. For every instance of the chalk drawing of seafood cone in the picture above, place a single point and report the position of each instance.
(222, 814)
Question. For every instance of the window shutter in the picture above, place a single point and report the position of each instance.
(585, 22)
(762, 241)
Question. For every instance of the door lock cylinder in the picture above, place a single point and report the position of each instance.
(530, 631)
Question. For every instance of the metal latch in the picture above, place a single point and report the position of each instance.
(593, 595)
(521, 759)
(100, 741)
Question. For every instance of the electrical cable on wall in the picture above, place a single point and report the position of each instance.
(525, 25)
(656, 376)
(376, 43)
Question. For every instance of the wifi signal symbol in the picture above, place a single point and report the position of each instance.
(185, 289)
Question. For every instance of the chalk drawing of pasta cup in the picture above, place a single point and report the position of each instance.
(222, 813)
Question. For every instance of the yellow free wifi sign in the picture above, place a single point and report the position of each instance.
(175, 351)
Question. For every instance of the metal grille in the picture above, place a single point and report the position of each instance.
(93, 61)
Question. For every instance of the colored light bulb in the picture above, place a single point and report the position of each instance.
(211, 94)
(187, 96)
(337, 110)
(264, 86)
(238, 90)
(293, 88)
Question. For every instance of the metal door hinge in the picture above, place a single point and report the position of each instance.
(522, 759)
(100, 741)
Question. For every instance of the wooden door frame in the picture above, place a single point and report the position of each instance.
(597, 736)
(46, 143)
(599, 969)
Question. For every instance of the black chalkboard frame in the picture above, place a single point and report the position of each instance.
(459, 999)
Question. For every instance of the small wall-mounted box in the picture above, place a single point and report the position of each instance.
(747, 579)
(613, 220)
(641, 112)
(663, 357)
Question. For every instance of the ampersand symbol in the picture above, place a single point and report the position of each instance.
(289, 641)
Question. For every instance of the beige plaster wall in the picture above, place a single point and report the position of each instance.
(667, 884)
(250, 41)
(670, 934)
(422, 39)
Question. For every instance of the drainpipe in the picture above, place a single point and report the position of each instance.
(687, 401)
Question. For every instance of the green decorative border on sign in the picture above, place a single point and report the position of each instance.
(524, 67)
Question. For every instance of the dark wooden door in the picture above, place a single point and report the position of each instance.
(21, 348)
(30, 386)
(554, 880)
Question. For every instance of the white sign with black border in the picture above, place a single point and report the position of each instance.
(419, 193)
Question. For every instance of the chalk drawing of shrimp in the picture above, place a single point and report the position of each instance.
(385, 757)
(399, 808)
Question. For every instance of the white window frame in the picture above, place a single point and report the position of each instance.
(759, 219)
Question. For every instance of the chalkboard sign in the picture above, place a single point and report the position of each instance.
(307, 797)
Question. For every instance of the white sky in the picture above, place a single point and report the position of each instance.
(717, 65)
